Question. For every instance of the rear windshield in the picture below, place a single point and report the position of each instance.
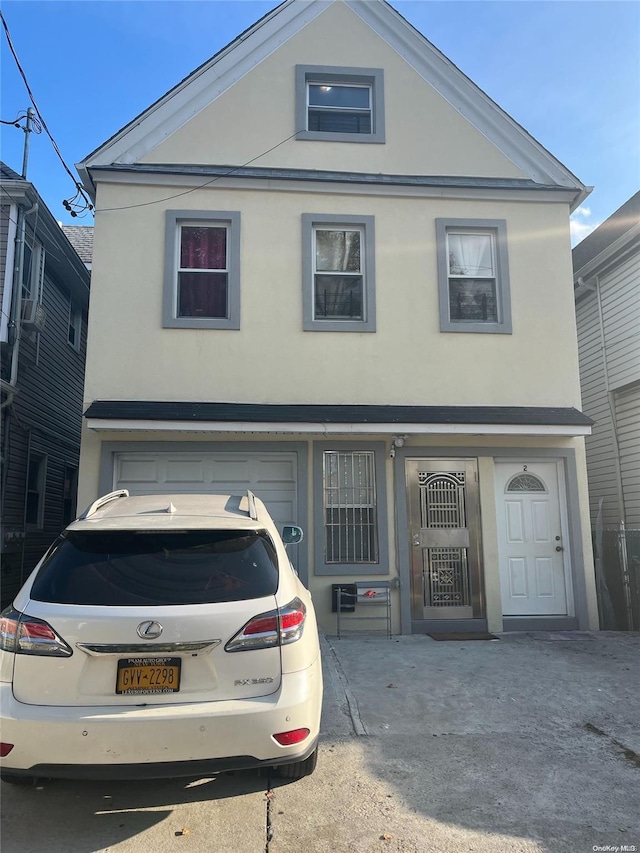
(131, 568)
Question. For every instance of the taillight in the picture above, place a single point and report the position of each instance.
(275, 628)
(291, 737)
(25, 635)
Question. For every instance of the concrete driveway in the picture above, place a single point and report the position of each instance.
(529, 743)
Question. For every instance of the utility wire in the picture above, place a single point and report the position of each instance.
(69, 204)
(80, 189)
(37, 127)
(200, 186)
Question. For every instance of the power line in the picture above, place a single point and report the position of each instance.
(37, 127)
(71, 203)
(76, 208)
(200, 186)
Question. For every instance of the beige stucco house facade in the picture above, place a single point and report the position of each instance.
(328, 268)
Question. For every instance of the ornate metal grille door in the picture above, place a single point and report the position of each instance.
(444, 529)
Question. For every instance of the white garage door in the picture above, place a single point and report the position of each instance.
(271, 476)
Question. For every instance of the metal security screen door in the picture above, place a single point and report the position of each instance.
(444, 530)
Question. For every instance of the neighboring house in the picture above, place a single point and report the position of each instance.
(44, 293)
(606, 272)
(371, 324)
(81, 238)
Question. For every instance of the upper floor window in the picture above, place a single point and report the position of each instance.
(32, 271)
(339, 104)
(202, 270)
(36, 484)
(74, 330)
(473, 276)
(339, 273)
(69, 494)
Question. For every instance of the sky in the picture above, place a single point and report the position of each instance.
(567, 70)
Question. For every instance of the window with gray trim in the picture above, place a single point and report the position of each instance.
(338, 273)
(202, 270)
(338, 104)
(473, 276)
(350, 509)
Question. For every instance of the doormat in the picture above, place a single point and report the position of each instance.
(472, 635)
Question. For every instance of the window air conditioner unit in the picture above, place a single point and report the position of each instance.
(33, 315)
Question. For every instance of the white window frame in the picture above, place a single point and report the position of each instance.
(41, 490)
(32, 288)
(75, 323)
(70, 498)
(497, 230)
(370, 78)
(174, 222)
(353, 110)
(365, 225)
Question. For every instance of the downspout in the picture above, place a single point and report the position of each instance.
(16, 298)
(16, 315)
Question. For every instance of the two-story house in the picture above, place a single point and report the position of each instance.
(607, 288)
(44, 294)
(328, 268)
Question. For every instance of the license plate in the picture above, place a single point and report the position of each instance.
(146, 676)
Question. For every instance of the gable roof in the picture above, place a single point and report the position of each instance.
(615, 232)
(218, 74)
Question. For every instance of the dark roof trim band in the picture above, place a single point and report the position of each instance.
(334, 414)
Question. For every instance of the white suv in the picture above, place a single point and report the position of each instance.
(161, 636)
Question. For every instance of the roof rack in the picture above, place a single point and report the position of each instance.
(96, 505)
(253, 512)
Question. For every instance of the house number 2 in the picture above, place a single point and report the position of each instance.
(525, 467)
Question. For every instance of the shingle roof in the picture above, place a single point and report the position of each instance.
(81, 238)
(8, 174)
(309, 413)
(622, 220)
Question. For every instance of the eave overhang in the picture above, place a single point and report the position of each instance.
(275, 179)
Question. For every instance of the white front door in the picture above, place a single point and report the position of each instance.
(531, 542)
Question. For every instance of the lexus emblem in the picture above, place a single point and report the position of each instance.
(149, 630)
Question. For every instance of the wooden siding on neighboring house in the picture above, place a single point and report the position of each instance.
(4, 230)
(616, 336)
(620, 289)
(46, 419)
(600, 446)
(627, 407)
(5, 211)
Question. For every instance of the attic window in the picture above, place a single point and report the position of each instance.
(338, 108)
(336, 104)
